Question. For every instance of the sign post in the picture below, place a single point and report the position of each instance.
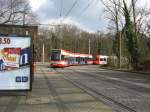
(15, 63)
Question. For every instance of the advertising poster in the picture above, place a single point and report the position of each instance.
(15, 61)
(11, 56)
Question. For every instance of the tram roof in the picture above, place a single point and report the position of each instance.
(65, 52)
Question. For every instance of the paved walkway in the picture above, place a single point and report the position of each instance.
(51, 93)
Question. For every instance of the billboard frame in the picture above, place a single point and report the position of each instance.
(30, 64)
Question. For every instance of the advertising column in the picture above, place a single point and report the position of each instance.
(15, 63)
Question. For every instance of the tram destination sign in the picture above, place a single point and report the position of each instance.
(15, 63)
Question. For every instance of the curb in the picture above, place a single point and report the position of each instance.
(129, 71)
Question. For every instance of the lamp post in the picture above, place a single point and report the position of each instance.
(43, 53)
(89, 46)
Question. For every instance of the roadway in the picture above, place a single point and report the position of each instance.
(81, 89)
(122, 91)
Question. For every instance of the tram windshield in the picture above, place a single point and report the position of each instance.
(55, 55)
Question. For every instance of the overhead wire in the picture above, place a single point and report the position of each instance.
(69, 11)
(87, 6)
(61, 8)
(73, 5)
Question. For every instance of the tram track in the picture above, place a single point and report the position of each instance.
(109, 80)
(118, 107)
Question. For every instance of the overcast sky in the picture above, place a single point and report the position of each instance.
(90, 19)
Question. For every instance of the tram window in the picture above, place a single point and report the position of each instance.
(101, 59)
(55, 57)
(87, 59)
(78, 59)
(62, 57)
(65, 57)
(104, 59)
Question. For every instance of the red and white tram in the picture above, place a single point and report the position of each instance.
(62, 58)
(100, 60)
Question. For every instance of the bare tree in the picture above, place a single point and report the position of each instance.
(14, 11)
(113, 8)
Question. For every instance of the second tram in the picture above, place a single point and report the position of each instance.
(100, 60)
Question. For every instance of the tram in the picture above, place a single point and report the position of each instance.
(62, 58)
(100, 60)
